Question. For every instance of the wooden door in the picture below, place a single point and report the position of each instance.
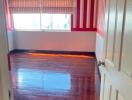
(116, 74)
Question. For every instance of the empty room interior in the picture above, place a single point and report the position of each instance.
(65, 50)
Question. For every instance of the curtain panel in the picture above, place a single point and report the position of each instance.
(42, 6)
(9, 22)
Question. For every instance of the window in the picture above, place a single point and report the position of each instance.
(49, 22)
(26, 21)
(56, 21)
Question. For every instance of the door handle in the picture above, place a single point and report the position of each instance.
(100, 63)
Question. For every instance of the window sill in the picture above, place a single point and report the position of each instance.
(42, 30)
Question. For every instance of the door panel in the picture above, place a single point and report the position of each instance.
(120, 97)
(116, 74)
(118, 32)
(113, 94)
(111, 29)
(126, 64)
(106, 25)
(102, 85)
(119, 81)
(107, 90)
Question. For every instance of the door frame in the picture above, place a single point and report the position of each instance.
(6, 91)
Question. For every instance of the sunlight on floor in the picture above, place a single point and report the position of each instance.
(49, 80)
(63, 55)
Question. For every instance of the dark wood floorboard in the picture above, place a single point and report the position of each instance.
(53, 77)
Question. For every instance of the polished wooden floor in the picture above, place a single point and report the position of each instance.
(53, 77)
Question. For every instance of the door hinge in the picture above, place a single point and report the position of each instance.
(100, 63)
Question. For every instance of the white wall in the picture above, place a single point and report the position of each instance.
(99, 47)
(60, 41)
(10, 41)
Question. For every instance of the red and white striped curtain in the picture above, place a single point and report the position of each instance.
(66, 6)
(46, 6)
(9, 24)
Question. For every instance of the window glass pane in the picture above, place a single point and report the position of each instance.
(26, 21)
(56, 21)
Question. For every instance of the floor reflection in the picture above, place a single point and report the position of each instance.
(57, 81)
(46, 80)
